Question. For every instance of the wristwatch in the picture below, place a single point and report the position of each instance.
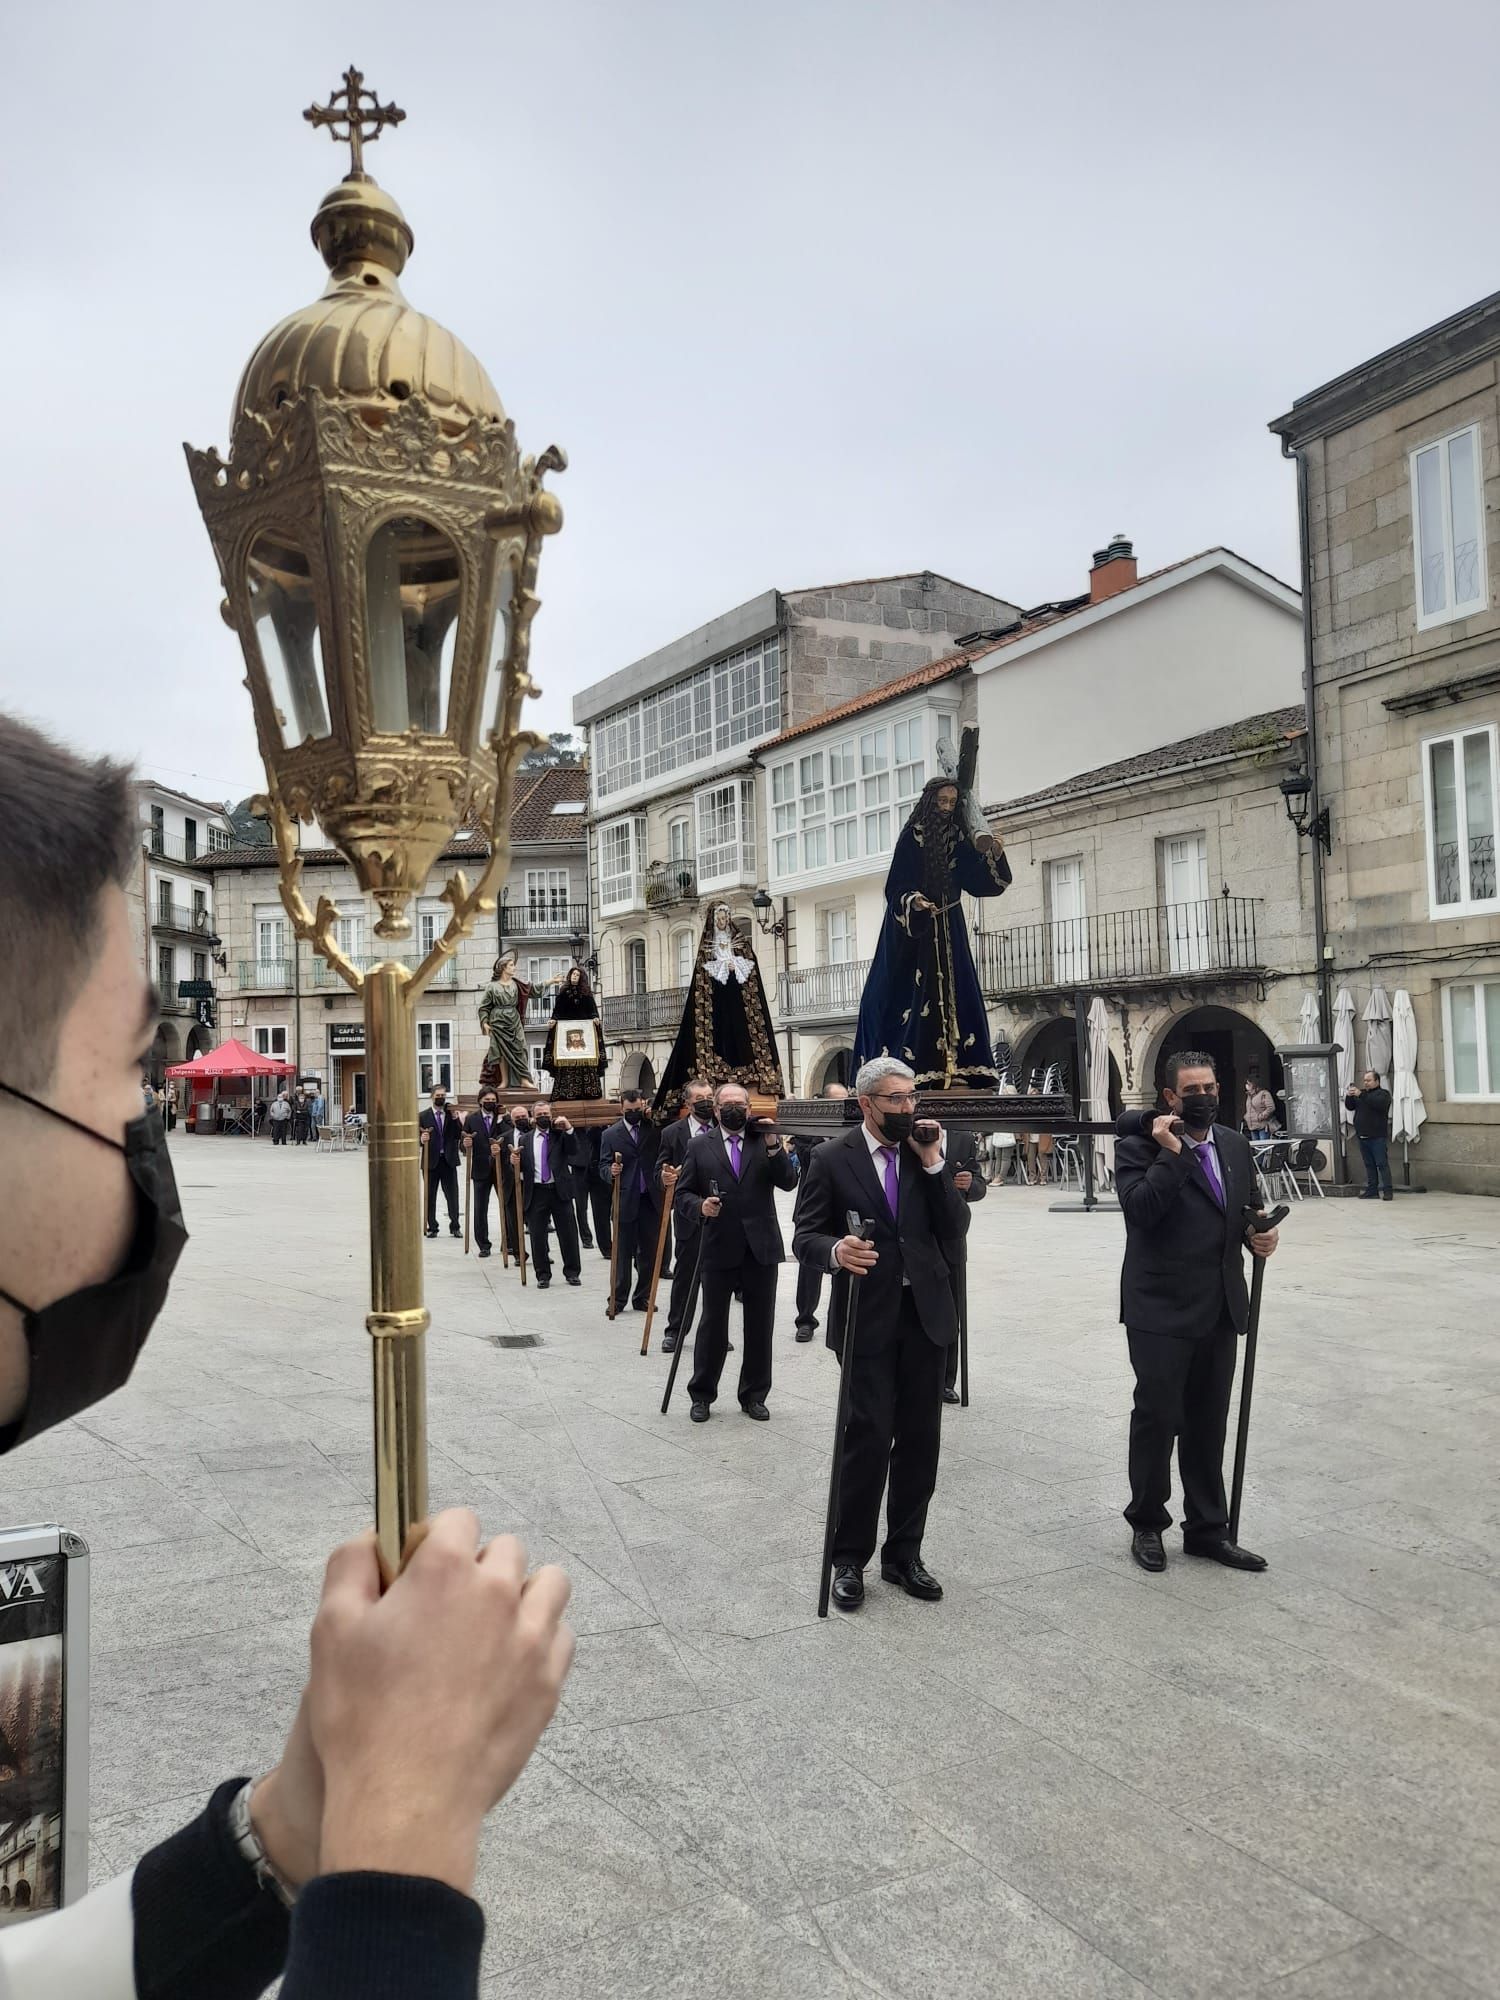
(247, 1840)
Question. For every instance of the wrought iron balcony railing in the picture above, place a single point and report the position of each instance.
(264, 975)
(1167, 942)
(178, 917)
(643, 1013)
(546, 919)
(324, 975)
(823, 992)
(172, 846)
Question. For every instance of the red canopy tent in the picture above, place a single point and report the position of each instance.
(231, 1061)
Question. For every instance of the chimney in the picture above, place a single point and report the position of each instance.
(1113, 570)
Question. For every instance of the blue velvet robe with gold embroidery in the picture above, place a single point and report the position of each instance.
(922, 1001)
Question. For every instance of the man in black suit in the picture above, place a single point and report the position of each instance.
(442, 1143)
(809, 1277)
(696, 1123)
(591, 1188)
(547, 1192)
(481, 1137)
(742, 1248)
(968, 1178)
(628, 1153)
(1184, 1188)
(904, 1188)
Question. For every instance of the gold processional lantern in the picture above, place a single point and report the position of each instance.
(377, 533)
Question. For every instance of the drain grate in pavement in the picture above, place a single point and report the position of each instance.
(515, 1339)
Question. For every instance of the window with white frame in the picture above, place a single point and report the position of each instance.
(875, 789)
(431, 922)
(622, 863)
(683, 947)
(734, 701)
(271, 1041)
(547, 895)
(1459, 776)
(838, 935)
(843, 797)
(635, 965)
(434, 1056)
(1471, 1037)
(349, 931)
(726, 832)
(812, 799)
(542, 967)
(680, 843)
(166, 971)
(799, 807)
(784, 818)
(907, 747)
(219, 837)
(1447, 511)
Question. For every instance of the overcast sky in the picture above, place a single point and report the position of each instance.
(807, 291)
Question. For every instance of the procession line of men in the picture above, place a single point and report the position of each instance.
(887, 1203)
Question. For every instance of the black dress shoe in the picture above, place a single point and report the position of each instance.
(1368, 1195)
(669, 1343)
(484, 1250)
(429, 1232)
(1388, 1196)
(639, 1304)
(454, 1230)
(1222, 1550)
(848, 1586)
(1146, 1548)
(699, 1413)
(587, 1242)
(571, 1279)
(542, 1284)
(806, 1332)
(914, 1578)
(951, 1396)
(757, 1410)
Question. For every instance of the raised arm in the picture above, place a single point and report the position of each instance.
(1148, 1179)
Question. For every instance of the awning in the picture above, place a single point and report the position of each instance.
(230, 1058)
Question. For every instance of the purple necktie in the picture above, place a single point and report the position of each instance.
(888, 1154)
(1210, 1167)
(541, 1159)
(734, 1156)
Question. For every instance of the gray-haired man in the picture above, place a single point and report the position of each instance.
(904, 1189)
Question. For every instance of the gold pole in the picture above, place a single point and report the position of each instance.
(398, 1324)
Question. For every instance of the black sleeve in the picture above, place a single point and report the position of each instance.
(203, 1924)
(816, 1226)
(1149, 1179)
(687, 1196)
(382, 1937)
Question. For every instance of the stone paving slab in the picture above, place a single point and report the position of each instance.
(1069, 1779)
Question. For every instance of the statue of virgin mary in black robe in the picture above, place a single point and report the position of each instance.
(922, 1002)
(726, 1035)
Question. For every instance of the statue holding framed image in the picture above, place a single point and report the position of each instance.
(575, 1053)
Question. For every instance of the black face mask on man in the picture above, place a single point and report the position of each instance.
(733, 1116)
(703, 1110)
(896, 1125)
(1199, 1109)
(633, 1115)
(83, 1347)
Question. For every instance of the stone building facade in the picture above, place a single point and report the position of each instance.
(280, 998)
(1399, 496)
(171, 896)
(675, 814)
(1172, 885)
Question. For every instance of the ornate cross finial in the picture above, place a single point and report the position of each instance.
(359, 122)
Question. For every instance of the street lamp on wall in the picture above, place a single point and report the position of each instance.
(761, 903)
(1296, 790)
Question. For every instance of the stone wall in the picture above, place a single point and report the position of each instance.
(854, 637)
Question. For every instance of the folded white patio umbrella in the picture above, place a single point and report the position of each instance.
(1307, 1018)
(1407, 1109)
(1378, 1034)
(1098, 1098)
(1343, 1034)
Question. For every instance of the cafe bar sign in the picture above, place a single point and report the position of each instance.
(346, 1038)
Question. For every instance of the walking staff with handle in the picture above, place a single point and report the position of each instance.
(859, 1227)
(468, 1189)
(515, 1156)
(690, 1304)
(668, 1181)
(961, 1297)
(497, 1156)
(427, 1207)
(1258, 1224)
(616, 1174)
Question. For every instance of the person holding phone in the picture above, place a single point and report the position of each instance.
(894, 1173)
(742, 1247)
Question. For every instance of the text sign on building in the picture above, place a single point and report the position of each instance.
(44, 1720)
(346, 1038)
(195, 989)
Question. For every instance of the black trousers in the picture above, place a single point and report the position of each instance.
(505, 1195)
(809, 1294)
(637, 1248)
(958, 1278)
(894, 1436)
(599, 1210)
(1377, 1157)
(1182, 1390)
(484, 1187)
(682, 1279)
(278, 1131)
(756, 1284)
(444, 1175)
(545, 1207)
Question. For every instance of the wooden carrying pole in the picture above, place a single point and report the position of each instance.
(518, 1178)
(427, 1208)
(864, 1230)
(661, 1251)
(468, 1191)
(614, 1233)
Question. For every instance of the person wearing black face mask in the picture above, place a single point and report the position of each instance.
(442, 1141)
(1184, 1186)
(628, 1154)
(810, 1276)
(327, 1872)
(547, 1192)
(482, 1135)
(697, 1123)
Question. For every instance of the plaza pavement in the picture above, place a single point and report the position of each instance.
(1069, 1781)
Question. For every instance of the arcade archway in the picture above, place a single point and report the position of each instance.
(1237, 1047)
(1051, 1050)
(830, 1065)
(200, 1040)
(636, 1072)
(166, 1048)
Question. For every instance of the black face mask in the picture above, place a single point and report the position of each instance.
(84, 1346)
(440, 1104)
(544, 1124)
(703, 1110)
(732, 1117)
(488, 1109)
(896, 1125)
(521, 1124)
(633, 1115)
(1199, 1109)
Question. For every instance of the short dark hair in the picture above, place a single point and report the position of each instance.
(1186, 1059)
(68, 831)
(634, 1092)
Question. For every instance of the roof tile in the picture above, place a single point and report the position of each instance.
(1251, 731)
